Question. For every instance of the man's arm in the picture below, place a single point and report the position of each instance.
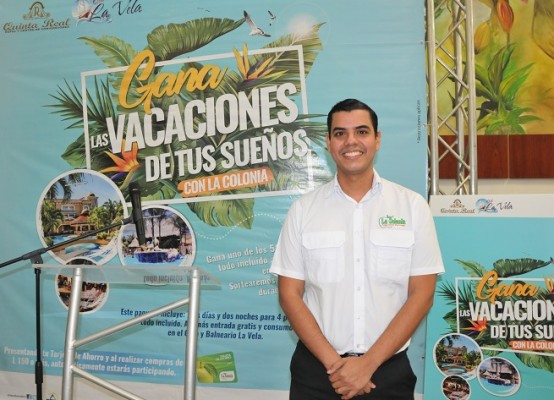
(303, 322)
(350, 378)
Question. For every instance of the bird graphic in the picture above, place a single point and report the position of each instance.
(254, 30)
(272, 17)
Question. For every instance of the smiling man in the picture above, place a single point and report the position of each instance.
(357, 261)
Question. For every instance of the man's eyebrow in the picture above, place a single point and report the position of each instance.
(340, 128)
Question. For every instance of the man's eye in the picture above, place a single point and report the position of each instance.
(363, 132)
(339, 133)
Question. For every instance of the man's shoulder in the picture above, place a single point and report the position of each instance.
(402, 193)
(317, 193)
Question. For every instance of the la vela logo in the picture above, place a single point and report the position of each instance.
(98, 10)
(90, 11)
(37, 18)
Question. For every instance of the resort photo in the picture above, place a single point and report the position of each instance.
(457, 354)
(93, 294)
(74, 205)
(499, 376)
(456, 388)
(169, 240)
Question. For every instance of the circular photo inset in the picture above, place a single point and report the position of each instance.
(93, 294)
(169, 240)
(456, 388)
(499, 376)
(71, 207)
(457, 354)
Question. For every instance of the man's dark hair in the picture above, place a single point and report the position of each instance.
(351, 105)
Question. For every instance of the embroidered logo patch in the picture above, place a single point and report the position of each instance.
(389, 221)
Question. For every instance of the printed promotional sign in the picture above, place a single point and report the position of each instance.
(491, 331)
(216, 112)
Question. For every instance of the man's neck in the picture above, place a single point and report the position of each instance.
(356, 186)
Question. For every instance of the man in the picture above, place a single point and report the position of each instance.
(357, 261)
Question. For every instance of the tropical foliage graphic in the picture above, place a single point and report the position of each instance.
(513, 58)
(480, 331)
(498, 86)
(166, 43)
(500, 78)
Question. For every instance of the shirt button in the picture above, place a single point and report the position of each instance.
(357, 260)
(358, 288)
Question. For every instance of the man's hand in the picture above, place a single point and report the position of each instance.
(350, 377)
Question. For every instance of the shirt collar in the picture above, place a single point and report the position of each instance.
(375, 186)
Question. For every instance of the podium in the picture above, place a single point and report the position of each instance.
(190, 277)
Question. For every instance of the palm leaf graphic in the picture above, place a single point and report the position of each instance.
(226, 212)
(506, 268)
(473, 269)
(99, 107)
(173, 40)
(113, 51)
(545, 363)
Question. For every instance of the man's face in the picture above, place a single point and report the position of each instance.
(353, 142)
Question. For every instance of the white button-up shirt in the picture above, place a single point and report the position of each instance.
(356, 258)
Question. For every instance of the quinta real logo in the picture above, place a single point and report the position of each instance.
(457, 207)
(37, 18)
(36, 11)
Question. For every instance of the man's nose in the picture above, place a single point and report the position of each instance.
(351, 137)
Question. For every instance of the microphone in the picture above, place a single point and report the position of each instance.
(138, 220)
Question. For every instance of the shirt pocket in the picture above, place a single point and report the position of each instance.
(323, 254)
(392, 252)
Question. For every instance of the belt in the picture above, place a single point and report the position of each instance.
(351, 354)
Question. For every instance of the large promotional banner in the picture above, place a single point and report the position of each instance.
(491, 330)
(217, 111)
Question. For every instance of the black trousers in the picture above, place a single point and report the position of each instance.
(395, 379)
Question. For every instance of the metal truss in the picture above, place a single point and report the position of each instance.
(451, 70)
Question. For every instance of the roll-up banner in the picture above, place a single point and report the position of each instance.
(491, 332)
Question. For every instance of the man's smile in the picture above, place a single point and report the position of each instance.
(352, 153)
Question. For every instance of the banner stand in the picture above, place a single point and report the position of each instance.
(491, 328)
